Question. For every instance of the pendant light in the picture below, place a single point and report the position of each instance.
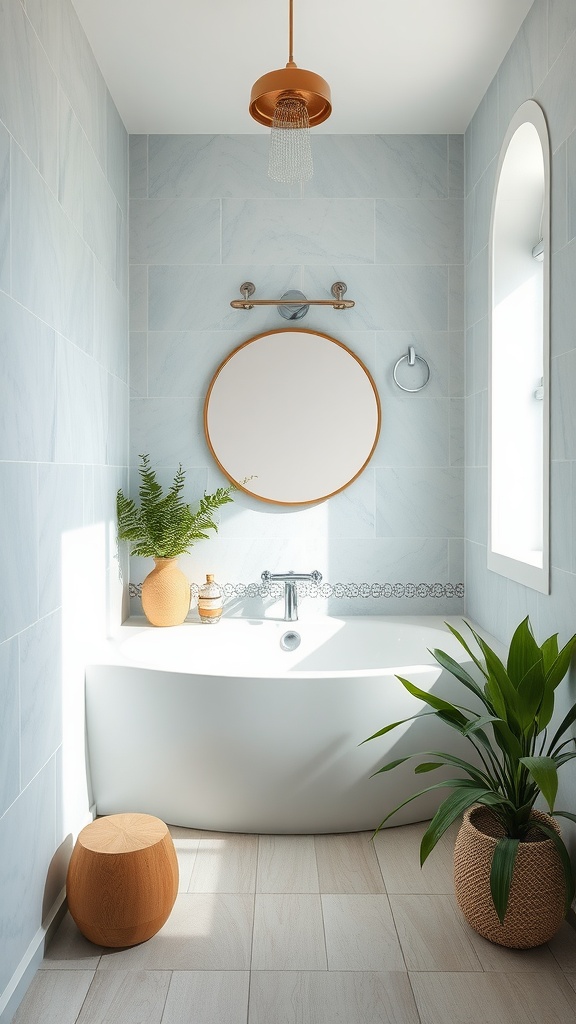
(290, 101)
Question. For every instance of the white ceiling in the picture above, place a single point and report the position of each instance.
(394, 66)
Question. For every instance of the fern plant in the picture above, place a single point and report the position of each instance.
(164, 526)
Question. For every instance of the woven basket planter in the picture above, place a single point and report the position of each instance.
(536, 905)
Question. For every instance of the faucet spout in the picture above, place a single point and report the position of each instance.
(290, 579)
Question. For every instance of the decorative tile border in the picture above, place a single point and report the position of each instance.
(374, 590)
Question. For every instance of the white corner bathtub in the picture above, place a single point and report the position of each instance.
(217, 727)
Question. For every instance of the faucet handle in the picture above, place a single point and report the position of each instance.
(316, 576)
(265, 577)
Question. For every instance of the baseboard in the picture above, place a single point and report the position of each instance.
(16, 988)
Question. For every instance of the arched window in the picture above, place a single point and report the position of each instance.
(518, 536)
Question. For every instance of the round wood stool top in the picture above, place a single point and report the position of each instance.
(122, 879)
(122, 833)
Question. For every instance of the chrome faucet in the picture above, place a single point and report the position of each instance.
(290, 579)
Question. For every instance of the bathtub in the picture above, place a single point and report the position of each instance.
(218, 727)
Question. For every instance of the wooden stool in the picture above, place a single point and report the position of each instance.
(122, 879)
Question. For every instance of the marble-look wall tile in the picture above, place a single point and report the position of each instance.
(476, 504)
(561, 516)
(456, 166)
(28, 374)
(70, 169)
(60, 508)
(26, 849)
(457, 418)
(78, 71)
(525, 65)
(138, 162)
(138, 303)
(82, 406)
(477, 288)
(28, 91)
(298, 231)
(117, 421)
(486, 592)
(4, 210)
(18, 549)
(402, 512)
(10, 703)
(478, 212)
(415, 433)
(562, 277)
(110, 324)
(388, 298)
(101, 213)
(380, 166)
(40, 694)
(562, 406)
(566, 178)
(456, 293)
(210, 166)
(182, 363)
(170, 430)
(169, 231)
(419, 231)
(52, 272)
(561, 25)
(557, 100)
(198, 297)
(138, 364)
(116, 153)
(477, 348)
(481, 140)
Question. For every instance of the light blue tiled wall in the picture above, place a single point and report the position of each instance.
(63, 439)
(540, 64)
(385, 215)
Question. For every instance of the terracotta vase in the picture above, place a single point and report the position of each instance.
(166, 594)
(537, 894)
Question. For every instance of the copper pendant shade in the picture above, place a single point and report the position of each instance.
(290, 82)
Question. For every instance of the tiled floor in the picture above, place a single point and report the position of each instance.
(307, 930)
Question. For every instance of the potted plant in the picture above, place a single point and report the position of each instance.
(513, 876)
(162, 528)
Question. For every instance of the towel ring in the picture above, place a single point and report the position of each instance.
(411, 358)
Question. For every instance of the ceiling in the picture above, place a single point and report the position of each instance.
(394, 66)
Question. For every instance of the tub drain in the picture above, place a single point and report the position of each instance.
(290, 641)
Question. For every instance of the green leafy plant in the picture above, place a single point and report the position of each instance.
(516, 761)
(165, 526)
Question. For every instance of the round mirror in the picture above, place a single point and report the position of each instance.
(292, 416)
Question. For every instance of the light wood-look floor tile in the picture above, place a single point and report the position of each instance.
(205, 931)
(563, 946)
(186, 850)
(303, 997)
(126, 997)
(225, 865)
(54, 997)
(501, 958)
(287, 864)
(288, 933)
(445, 998)
(360, 933)
(207, 997)
(398, 853)
(433, 934)
(347, 863)
(70, 951)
